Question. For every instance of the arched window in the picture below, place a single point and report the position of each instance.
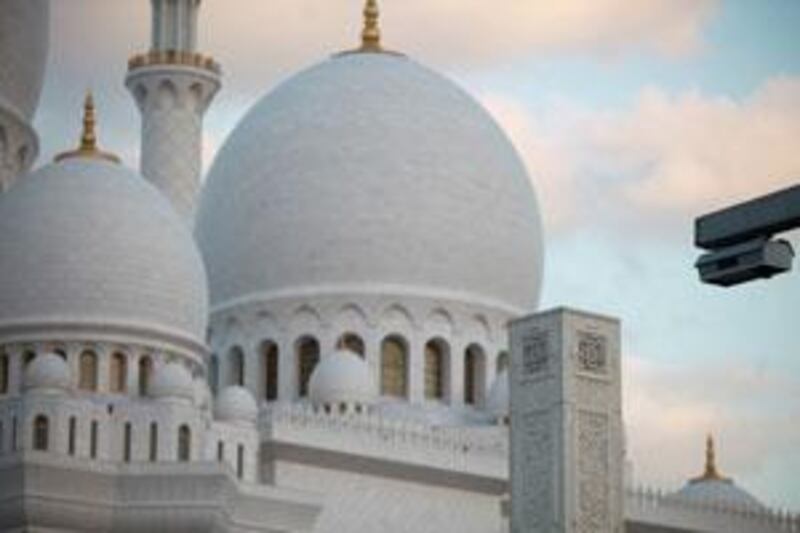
(41, 433)
(2, 438)
(474, 375)
(236, 362)
(394, 367)
(502, 361)
(61, 352)
(213, 373)
(13, 433)
(307, 352)
(435, 369)
(88, 371)
(269, 355)
(126, 444)
(3, 373)
(27, 357)
(73, 423)
(153, 442)
(240, 461)
(93, 440)
(145, 374)
(184, 443)
(118, 377)
(220, 451)
(351, 342)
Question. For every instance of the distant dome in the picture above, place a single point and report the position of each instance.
(342, 377)
(24, 42)
(498, 402)
(236, 404)
(92, 245)
(713, 488)
(723, 491)
(371, 172)
(172, 381)
(48, 372)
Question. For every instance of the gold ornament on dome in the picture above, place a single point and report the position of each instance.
(88, 145)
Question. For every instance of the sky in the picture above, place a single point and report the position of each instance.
(632, 117)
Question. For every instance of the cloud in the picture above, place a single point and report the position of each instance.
(662, 161)
(751, 410)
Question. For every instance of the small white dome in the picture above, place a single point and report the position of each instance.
(236, 404)
(172, 381)
(498, 402)
(48, 372)
(342, 377)
(718, 491)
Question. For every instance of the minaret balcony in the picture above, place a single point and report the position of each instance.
(173, 57)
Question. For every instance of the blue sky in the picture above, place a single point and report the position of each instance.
(633, 118)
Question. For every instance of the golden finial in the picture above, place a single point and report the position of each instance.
(88, 146)
(371, 34)
(711, 473)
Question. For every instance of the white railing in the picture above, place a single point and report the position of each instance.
(480, 450)
(656, 506)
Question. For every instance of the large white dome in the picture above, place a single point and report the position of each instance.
(91, 245)
(370, 172)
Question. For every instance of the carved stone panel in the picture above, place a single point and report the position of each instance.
(593, 473)
(592, 353)
(535, 353)
(535, 441)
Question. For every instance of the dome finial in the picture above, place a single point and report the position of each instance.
(711, 473)
(371, 34)
(88, 145)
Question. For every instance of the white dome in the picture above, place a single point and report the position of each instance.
(172, 381)
(498, 402)
(342, 377)
(236, 404)
(718, 491)
(48, 372)
(90, 244)
(24, 42)
(369, 172)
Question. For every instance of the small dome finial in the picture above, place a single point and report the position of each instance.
(711, 473)
(88, 145)
(371, 34)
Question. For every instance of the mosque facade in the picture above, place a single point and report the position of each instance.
(314, 338)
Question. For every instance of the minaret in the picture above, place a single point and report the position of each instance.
(173, 86)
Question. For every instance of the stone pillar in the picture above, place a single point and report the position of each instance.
(566, 424)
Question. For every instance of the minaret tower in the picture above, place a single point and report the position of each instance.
(173, 85)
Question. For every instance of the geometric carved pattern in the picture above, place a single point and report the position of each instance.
(535, 353)
(593, 473)
(592, 354)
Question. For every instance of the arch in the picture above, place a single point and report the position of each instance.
(437, 355)
(87, 372)
(28, 356)
(398, 317)
(236, 366)
(394, 367)
(2, 438)
(213, 373)
(184, 444)
(350, 316)
(126, 444)
(352, 342)
(481, 323)
(72, 430)
(220, 451)
(198, 96)
(153, 452)
(307, 357)
(93, 435)
(306, 318)
(41, 433)
(167, 94)
(474, 375)
(3, 373)
(502, 361)
(118, 373)
(441, 322)
(145, 374)
(269, 364)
